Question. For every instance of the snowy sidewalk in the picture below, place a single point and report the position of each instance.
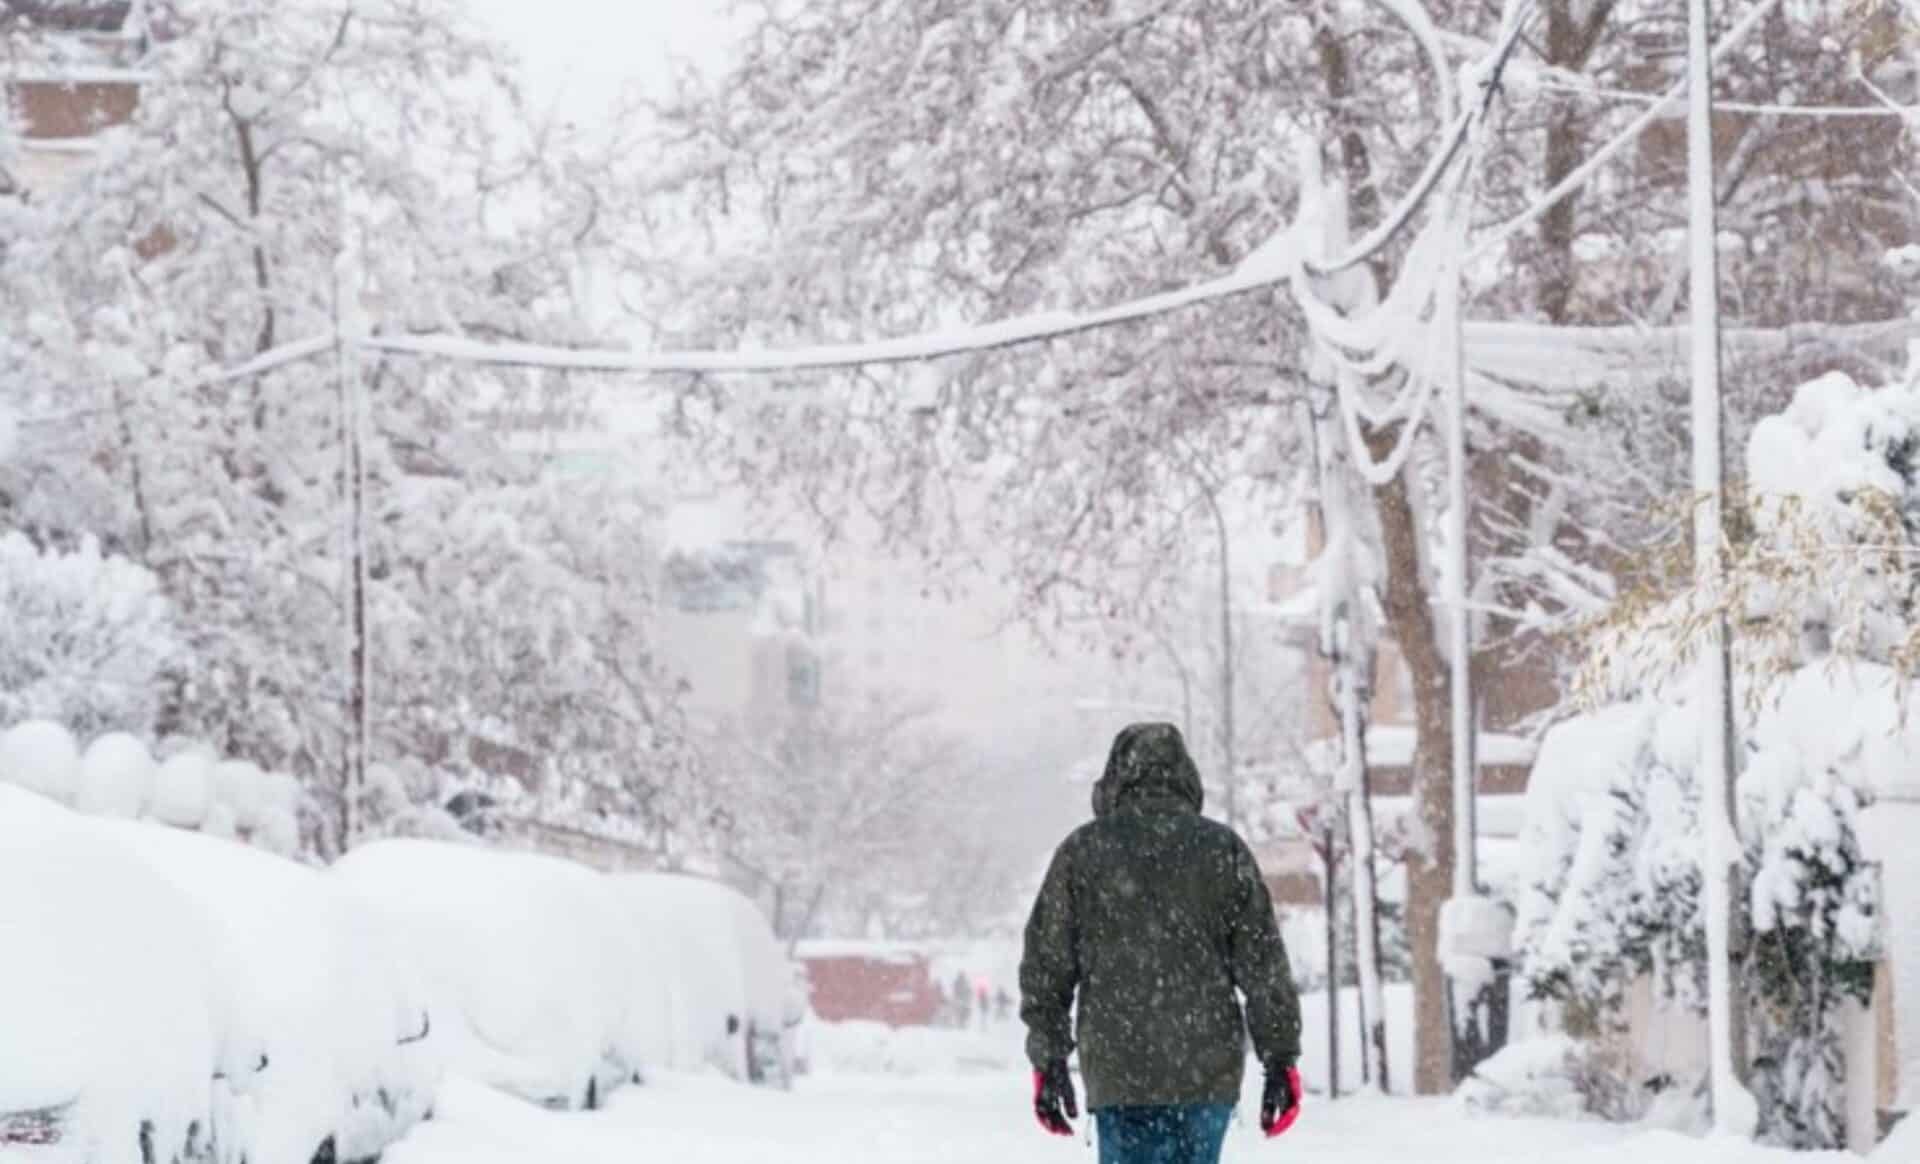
(978, 1119)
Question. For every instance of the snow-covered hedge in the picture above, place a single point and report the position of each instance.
(116, 775)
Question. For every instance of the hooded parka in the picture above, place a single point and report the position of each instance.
(1154, 920)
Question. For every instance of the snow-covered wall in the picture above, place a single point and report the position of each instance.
(1888, 831)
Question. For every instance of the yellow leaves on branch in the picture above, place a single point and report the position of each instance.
(1800, 583)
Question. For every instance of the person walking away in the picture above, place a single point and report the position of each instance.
(1152, 924)
(962, 1001)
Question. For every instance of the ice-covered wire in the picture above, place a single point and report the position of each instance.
(1601, 93)
(1456, 135)
(1365, 343)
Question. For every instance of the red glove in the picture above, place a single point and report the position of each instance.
(1053, 1101)
(1280, 1100)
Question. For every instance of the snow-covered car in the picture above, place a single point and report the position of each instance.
(309, 976)
(521, 957)
(726, 980)
(109, 1042)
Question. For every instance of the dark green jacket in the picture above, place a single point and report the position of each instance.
(1152, 916)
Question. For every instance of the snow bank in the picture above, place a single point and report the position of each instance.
(1550, 1077)
(525, 967)
(1398, 997)
(871, 1048)
(311, 983)
(105, 1000)
(42, 757)
(1902, 1147)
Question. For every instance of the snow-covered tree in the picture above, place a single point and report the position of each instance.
(1612, 888)
(290, 172)
(87, 640)
(842, 810)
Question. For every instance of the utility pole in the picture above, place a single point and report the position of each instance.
(1231, 777)
(1733, 1107)
(1466, 872)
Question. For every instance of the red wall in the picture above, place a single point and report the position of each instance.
(898, 991)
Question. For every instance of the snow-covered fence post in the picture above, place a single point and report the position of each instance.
(1733, 1107)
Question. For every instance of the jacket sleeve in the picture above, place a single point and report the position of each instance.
(1258, 960)
(1049, 967)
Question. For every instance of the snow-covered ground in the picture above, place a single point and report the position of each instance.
(968, 1118)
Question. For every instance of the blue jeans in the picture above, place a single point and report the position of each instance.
(1187, 1134)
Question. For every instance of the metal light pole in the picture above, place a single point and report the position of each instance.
(1733, 1107)
(1466, 866)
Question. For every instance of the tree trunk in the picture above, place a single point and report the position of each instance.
(1409, 617)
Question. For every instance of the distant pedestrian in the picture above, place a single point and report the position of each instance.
(1002, 1005)
(1150, 919)
(962, 1001)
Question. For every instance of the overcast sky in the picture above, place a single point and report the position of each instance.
(580, 53)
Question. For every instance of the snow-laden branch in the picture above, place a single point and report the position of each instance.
(1661, 107)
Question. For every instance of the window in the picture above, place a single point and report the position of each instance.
(714, 579)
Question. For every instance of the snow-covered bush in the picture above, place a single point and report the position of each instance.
(524, 959)
(259, 807)
(1823, 557)
(107, 1009)
(183, 788)
(307, 976)
(1554, 1077)
(1835, 732)
(116, 777)
(1612, 887)
(1822, 589)
(42, 757)
(1615, 888)
(86, 638)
